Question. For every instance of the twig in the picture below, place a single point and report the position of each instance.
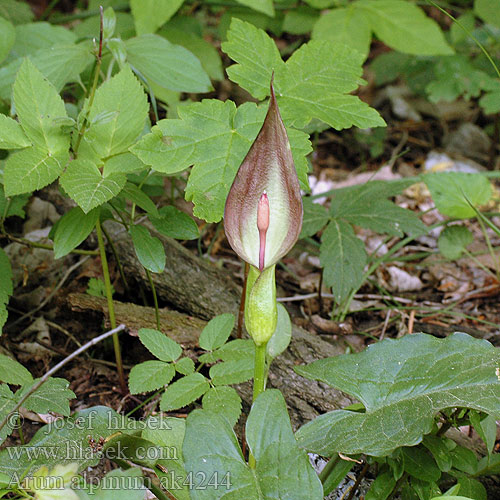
(57, 367)
(364, 296)
(386, 323)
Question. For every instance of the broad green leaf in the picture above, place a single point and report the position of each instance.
(490, 102)
(13, 372)
(363, 206)
(225, 401)
(53, 395)
(438, 446)
(464, 460)
(486, 428)
(207, 54)
(264, 6)
(123, 96)
(216, 332)
(184, 366)
(169, 66)
(7, 37)
(314, 83)
(59, 64)
(160, 345)
(488, 11)
(12, 135)
(124, 163)
(149, 249)
(454, 240)
(321, 4)
(64, 440)
(236, 350)
(451, 190)
(343, 258)
(472, 488)
(315, 217)
(346, 25)
(184, 391)
(73, 228)
(382, 487)
(214, 136)
(83, 182)
(405, 27)
(402, 384)
(174, 223)
(31, 169)
(232, 372)
(149, 376)
(16, 12)
(282, 335)
(420, 464)
(140, 198)
(300, 21)
(14, 206)
(37, 104)
(5, 286)
(211, 448)
(7, 404)
(149, 15)
(122, 484)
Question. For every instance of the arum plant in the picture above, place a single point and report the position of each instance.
(262, 219)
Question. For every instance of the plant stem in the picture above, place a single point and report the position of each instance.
(155, 299)
(328, 468)
(116, 256)
(34, 244)
(259, 382)
(111, 307)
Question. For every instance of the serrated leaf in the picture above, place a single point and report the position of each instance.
(53, 396)
(232, 372)
(236, 350)
(122, 96)
(343, 257)
(83, 182)
(174, 223)
(125, 163)
(5, 286)
(214, 136)
(451, 190)
(225, 401)
(282, 335)
(488, 11)
(149, 376)
(216, 332)
(170, 66)
(7, 37)
(160, 345)
(315, 217)
(264, 6)
(347, 26)
(12, 135)
(37, 104)
(184, 366)
(31, 169)
(149, 15)
(184, 391)
(314, 83)
(402, 384)
(149, 249)
(73, 228)
(13, 372)
(453, 241)
(404, 27)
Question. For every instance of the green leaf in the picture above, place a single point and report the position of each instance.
(149, 249)
(31, 169)
(490, 102)
(12, 135)
(37, 104)
(486, 427)
(300, 21)
(170, 66)
(16, 12)
(282, 335)
(402, 384)
(382, 487)
(337, 474)
(216, 332)
(419, 464)
(140, 198)
(438, 446)
(314, 83)
(149, 376)
(123, 484)
(472, 488)
(453, 241)
(264, 6)
(83, 181)
(13, 372)
(488, 11)
(343, 258)
(404, 27)
(160, 345)
(73, 228)
(53, 396)
(315, 217)
(225, 401)
(5, 286)
(214, 136)
(124, 163)
(149, 15)
(7, 405)
(174, 223)
(7, 37)
(123, 96)
(184, 391)
(211, 448)
(347, 26)
(184, 366)
(232, 372)
(451, 190)
(13, 206)
(464, 460)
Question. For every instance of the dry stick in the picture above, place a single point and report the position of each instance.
(56, 368)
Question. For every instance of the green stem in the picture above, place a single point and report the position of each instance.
(259, 382)
(328, 468)
(34, 244)
(494, 257)
(115, 255)
(155, 299)
(111, 307)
